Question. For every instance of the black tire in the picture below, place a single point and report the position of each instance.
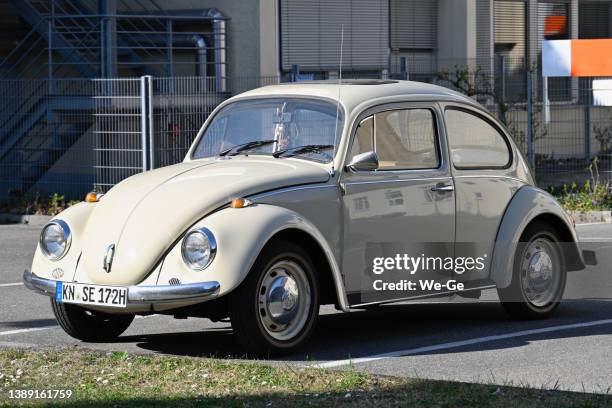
(514, 298)
(246, 315)
(89, 325)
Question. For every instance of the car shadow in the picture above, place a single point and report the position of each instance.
(392, 328)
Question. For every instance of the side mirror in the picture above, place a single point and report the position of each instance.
(367, 161)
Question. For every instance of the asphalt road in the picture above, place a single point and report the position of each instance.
(465, 341)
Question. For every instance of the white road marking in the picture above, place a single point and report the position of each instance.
(32, 329)
(19, 331)
(6, 285)
(462, 343)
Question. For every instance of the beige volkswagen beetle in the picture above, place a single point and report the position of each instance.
(287, 200)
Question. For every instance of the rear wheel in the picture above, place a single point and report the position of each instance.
(274, 310)
(539, 275)
(89, 325)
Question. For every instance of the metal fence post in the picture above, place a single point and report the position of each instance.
(146, 122)
(530, 153)
(587, 123)
(502, 63)
(295, 72)
(403, 68)
(143, 121)
(151, 134)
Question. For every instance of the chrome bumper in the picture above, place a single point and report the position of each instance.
(140, 295)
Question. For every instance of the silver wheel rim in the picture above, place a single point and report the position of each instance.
(540, 272)
(283, 300)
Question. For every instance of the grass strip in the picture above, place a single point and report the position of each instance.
(118, 379)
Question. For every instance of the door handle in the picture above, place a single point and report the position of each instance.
(442, 188)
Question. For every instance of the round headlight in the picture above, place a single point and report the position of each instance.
(199, 248)
(55, 240)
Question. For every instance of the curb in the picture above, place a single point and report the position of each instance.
(590, 217)
(36, 220)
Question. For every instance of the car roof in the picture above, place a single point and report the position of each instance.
(354, 92)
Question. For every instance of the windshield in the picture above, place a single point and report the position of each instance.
(288, 122)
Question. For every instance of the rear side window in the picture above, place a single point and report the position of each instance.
(474, 143)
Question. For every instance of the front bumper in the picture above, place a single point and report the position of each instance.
(141, 295)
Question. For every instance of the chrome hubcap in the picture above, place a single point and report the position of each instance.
(284, 300)
(540, 272)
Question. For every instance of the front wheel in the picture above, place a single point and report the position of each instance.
(89, 325)
(275, 309)
(539, 275)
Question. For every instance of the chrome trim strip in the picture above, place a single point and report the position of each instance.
(139, 295)
(348, 183)
(288, 189)
(430, 295)
(490, 176)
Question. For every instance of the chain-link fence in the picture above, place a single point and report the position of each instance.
(70, 135)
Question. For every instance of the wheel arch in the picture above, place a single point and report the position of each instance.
(241, 236)
(323, 269)
(529, 205)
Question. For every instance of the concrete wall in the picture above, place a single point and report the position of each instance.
(269, 43)
(456, 33)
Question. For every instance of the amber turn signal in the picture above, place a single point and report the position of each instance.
(93, 197)
(240, 203)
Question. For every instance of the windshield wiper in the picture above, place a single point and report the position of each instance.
(246, 146)
(312, 148)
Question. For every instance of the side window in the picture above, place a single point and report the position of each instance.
(406, 139)
(364, 137)
(474, 143)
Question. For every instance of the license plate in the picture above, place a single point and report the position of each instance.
(85, 294)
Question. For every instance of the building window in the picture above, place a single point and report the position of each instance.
(311, 33)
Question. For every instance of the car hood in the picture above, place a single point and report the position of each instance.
(145, 214)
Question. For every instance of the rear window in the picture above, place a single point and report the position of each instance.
(474, 142)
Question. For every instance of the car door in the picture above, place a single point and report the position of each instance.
(484, 168)
(404, 208)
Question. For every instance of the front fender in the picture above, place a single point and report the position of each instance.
(241, 235)
(528, 203)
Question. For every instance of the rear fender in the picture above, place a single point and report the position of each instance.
(528, 204)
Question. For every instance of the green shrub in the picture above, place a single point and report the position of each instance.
(38, 204)
(593, 195)
(586, 197)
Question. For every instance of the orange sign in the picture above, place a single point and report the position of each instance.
(577, 58)
(592, 58)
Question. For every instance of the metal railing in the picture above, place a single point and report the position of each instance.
(72, 38)
(100, 131)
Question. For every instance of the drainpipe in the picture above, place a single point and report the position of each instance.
(218, 22)
(277, 35)
(202, 60)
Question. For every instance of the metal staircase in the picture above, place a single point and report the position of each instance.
(42, 113)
